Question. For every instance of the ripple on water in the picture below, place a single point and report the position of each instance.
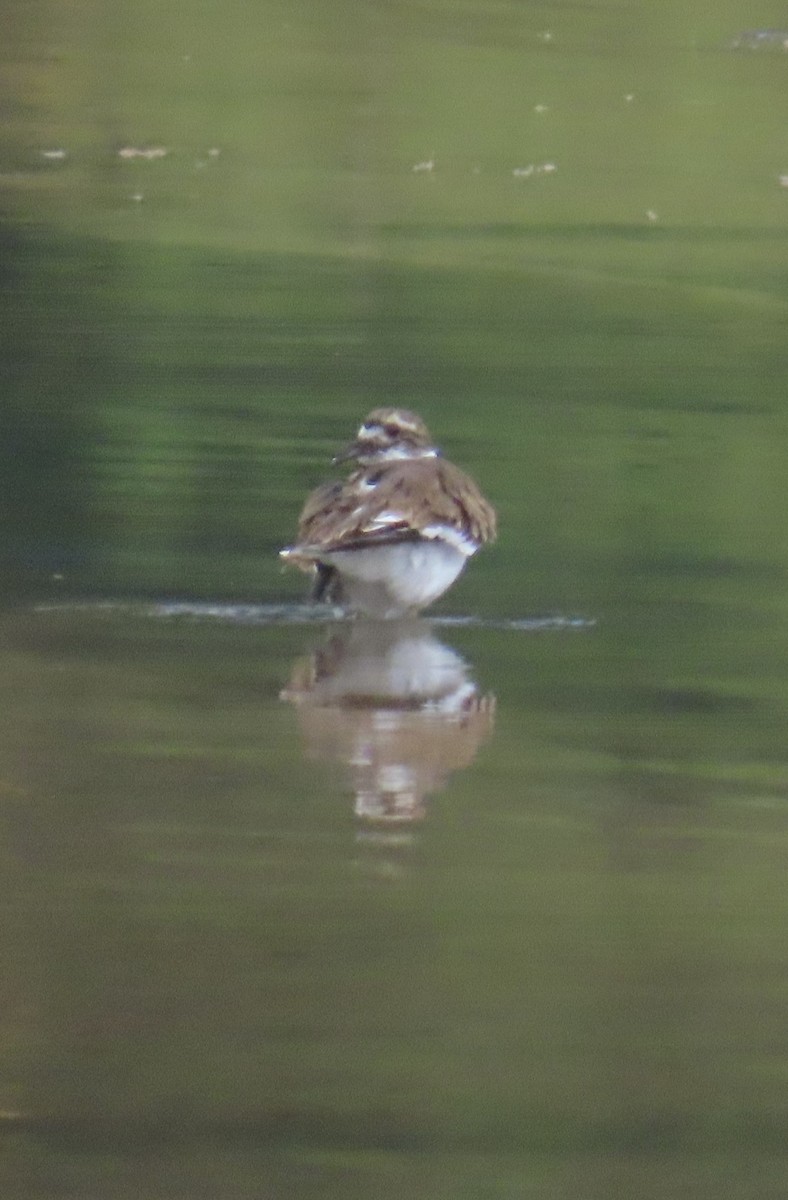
(298, 614)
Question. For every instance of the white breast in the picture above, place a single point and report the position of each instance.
(388, 581)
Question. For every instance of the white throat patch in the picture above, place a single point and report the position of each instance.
(399, 451)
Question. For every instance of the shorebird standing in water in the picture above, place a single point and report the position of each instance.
(392, 537)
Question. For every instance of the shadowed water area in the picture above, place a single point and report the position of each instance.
(488, 904)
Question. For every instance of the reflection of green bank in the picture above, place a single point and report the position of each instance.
(604, 340)
(618, 396)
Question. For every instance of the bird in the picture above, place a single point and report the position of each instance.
(393, 536)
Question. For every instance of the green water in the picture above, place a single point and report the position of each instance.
(555, 965)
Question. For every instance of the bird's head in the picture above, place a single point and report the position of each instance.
(387, 434)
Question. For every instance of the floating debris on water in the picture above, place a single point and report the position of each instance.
(210, 156)
(427, 165)
(547, 168)
(55, 155)
(148, 152)
(761, 39)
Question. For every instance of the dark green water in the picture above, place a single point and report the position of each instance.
(519, 930)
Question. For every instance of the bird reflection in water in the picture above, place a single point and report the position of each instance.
(396, 708)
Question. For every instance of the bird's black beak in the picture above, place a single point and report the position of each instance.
(350, 451)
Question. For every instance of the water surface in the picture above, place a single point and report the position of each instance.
(492, 906)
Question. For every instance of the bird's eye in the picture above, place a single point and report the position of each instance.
(391, 431)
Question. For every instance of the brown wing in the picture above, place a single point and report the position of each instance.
(393, 502)
(323, 498)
